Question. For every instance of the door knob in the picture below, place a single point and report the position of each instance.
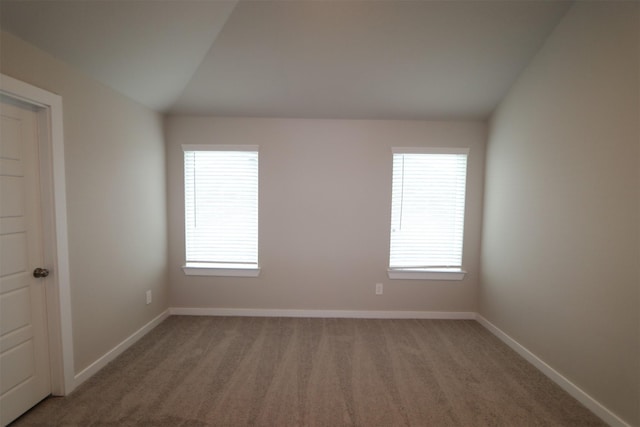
(40, 272)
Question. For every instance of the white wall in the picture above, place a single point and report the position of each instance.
(561, 221)
(116, 197)
(325, 206)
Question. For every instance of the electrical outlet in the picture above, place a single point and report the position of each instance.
(149, 297)
(378, 288)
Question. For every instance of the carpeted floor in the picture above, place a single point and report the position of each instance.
(240, 371)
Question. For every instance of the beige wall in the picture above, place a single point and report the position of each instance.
(325, 194)
(115, 173)
(561, 220)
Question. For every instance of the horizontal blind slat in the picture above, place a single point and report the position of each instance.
(221, 206)
(427, 213)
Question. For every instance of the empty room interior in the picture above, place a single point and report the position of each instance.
(333, 292)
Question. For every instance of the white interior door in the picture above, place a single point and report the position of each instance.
(25, 377)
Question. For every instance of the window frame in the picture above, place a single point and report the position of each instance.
(413, 273)
(217, 269)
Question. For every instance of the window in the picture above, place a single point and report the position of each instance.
(427, 213)
(221, 210)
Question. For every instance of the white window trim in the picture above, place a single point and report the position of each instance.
(430, 150)
(426, 274)
(196, 269)
(453, 274)
(219, 269)
(196, 147)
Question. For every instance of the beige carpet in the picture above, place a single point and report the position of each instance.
(233, 371)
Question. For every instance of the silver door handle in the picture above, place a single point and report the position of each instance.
(40, 272)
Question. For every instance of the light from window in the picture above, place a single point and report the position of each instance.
(427, 216)
(221, 207)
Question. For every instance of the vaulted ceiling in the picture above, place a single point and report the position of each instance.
(373, 59)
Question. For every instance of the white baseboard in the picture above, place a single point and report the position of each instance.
(350, 314)
(90, 370)
(575, 391)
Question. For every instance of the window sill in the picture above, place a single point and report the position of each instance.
(425, 274)
(221, 270)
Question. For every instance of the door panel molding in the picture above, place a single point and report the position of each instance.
(48, 107)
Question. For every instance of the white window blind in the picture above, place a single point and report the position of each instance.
(221, 206)
(427, 218)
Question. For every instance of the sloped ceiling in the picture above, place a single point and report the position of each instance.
(375, 59)
(147, 50)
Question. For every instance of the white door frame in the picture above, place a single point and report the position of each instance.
(56, 253)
